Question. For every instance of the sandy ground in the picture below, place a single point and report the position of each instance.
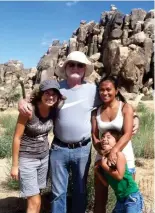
(10, 202)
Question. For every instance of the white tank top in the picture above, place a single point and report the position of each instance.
(117, 123)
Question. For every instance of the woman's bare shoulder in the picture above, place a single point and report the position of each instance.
(127, 108)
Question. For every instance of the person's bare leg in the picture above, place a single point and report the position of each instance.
(33, 204)
(101, 196)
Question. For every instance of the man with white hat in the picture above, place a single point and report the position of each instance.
(71, 146)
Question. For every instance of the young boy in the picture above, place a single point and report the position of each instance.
(129, 199)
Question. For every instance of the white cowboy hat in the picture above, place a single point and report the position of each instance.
(75, 56)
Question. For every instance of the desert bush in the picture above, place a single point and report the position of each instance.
(13, 184)
(143, 141)
(7, 123)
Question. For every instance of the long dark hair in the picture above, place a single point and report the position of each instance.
(114, 81)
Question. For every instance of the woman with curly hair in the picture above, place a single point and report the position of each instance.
(30, 149)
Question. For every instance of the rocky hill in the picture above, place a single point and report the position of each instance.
(119, 44)
(15, 82)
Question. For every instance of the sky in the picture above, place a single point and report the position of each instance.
(27, 28)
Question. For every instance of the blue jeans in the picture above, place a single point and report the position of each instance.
(62, 160)
(131, 204)
(132, 170)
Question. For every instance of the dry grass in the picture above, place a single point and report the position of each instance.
(145, 179)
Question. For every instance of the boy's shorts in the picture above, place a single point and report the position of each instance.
(33, 175)
(132, 170)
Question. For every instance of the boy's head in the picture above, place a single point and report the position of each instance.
(110, 137)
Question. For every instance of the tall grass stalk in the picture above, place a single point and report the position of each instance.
(143, 141)
(7, 123)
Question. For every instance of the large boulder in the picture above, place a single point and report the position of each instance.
(137, 15)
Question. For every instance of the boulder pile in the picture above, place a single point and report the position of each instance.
(119, 44)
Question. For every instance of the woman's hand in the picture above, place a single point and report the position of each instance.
(112, 158)
(14, 173)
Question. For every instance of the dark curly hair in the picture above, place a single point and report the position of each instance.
(37, 94)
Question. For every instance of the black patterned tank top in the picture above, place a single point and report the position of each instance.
(34, 142)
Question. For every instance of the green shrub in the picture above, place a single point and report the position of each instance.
(13, 184)
(143, 141)
(8, 123)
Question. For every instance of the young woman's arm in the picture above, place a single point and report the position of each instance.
(118, 173)
(127, 133)
(20, 126)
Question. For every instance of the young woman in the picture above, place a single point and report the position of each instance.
(129, 198)
(115, 113)
(30, 150)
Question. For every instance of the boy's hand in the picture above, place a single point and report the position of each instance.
(24, 107)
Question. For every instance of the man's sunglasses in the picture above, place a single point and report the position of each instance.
(78, 65)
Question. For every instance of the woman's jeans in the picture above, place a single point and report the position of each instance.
(62, 160)
(131, 204)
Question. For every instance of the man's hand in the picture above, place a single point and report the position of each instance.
(24, 107)
(135, 125)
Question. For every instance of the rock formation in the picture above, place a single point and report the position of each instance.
(120, 45)
(15, 82)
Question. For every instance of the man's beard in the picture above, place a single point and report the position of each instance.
(75, 76)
